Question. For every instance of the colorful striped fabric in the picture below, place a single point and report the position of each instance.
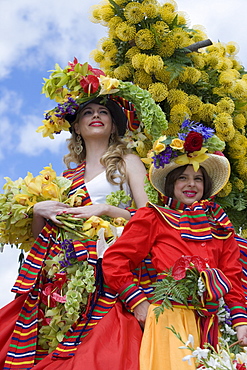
(24, 352)
(201, 221)
(129, 110)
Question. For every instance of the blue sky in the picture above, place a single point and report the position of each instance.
(37, 34)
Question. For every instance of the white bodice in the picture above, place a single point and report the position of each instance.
(98, 188)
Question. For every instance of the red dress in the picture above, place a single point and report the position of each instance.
(106, 337)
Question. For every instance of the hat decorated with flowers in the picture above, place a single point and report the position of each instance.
(76, 85)
(195, 145)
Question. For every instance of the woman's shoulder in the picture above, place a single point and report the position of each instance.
(132, 161)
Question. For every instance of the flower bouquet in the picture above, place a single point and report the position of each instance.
(18, 199)
(208, 357)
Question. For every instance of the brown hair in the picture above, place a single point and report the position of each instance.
(174, 175)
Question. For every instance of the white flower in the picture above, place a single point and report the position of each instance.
(200, 353)
(189, 341)
(201, 287)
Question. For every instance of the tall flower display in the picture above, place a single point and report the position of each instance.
(151, 44)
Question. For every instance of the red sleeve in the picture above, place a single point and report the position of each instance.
(126, 254)
(230, 264)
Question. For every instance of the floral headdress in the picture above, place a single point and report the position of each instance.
(189, 147)
(78, 83)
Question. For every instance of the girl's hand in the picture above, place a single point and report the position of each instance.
(242, 334)
(88, 211)
(140, 312)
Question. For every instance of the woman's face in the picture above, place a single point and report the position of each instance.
(94, 120)
(189, 186)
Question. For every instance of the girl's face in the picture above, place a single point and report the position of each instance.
(94, 119)
(189, 186)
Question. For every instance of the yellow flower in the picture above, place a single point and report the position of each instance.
(108, 85)
(158, 146)
(142, 79)
(177, 144)
(123, 71)
(138, 60)
(35, 185)
(176, 96)
(194, 158)
(94, 224)
(50, 191)
(148, 160)
(158, 91)
(118, 221)
(232, 48)
(145, 39)
(76, 198)
(48, 174)
(24, 199)
(125, 31)
(153, 63)
(133, 12)
(179, 113)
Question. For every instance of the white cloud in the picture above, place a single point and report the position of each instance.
(32, 143)
(36, 31)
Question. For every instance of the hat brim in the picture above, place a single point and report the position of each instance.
(217, 167)
(115, 109)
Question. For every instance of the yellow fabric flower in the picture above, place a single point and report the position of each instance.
(108, 85)
(194, 158)
(177, 144)
(144, 39)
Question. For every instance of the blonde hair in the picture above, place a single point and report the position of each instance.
(112, 160)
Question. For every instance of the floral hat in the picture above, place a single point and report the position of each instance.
(78, 84)
(196, 145)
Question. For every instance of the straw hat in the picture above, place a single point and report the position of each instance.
(217, 167)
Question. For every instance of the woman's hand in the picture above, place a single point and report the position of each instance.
(98, 210)
(140, 312)
(242, 334)
(47, 209)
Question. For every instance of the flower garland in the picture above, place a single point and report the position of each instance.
(78, 83)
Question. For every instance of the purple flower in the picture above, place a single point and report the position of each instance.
(164, 157)
(188, 126)
(69, 252)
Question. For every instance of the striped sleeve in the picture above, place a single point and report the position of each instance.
(131, 296)
(238, 314)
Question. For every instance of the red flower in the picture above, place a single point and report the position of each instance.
(72, 65)
(46, 295)
(97, 72)
(187, 262)
(240, 366)
(90, 84)
(60, 279)
(193, 142)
